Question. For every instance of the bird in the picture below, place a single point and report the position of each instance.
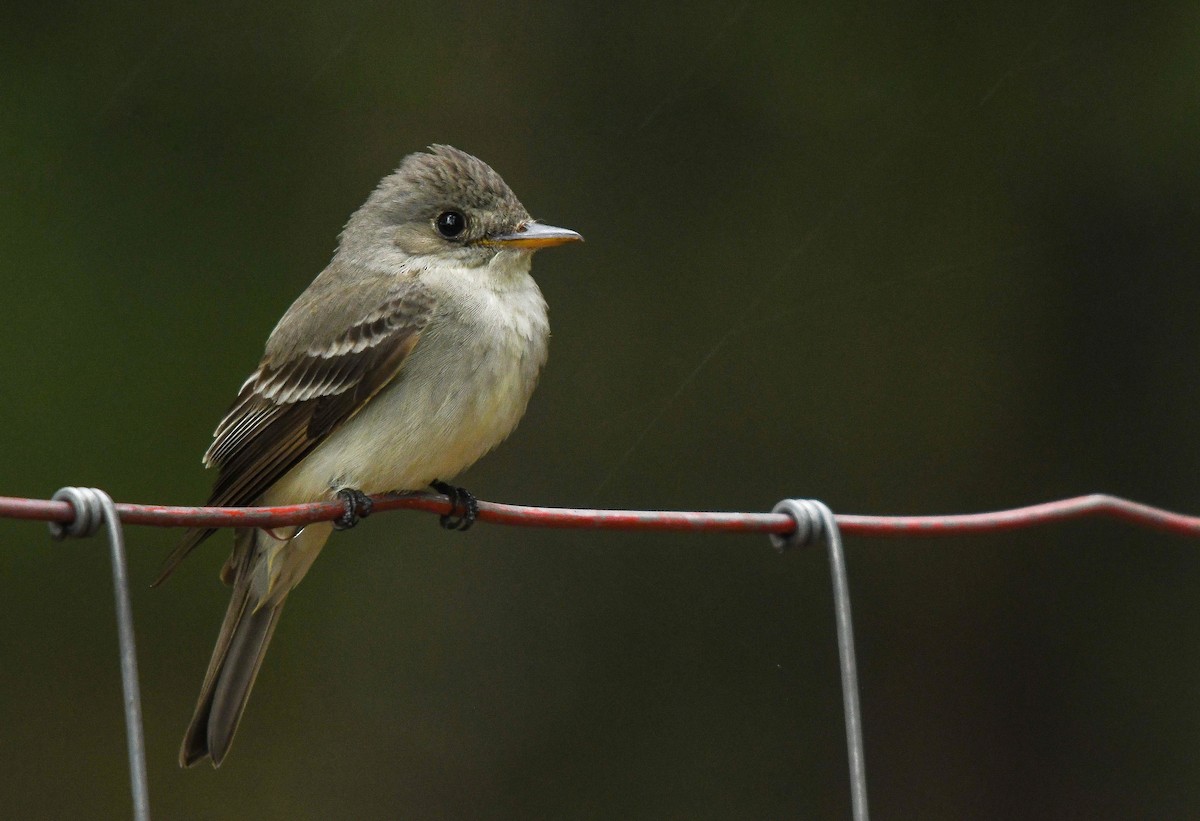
(412, 354)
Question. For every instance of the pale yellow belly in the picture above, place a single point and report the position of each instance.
(449, 407)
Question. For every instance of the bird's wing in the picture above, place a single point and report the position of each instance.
(293, 402)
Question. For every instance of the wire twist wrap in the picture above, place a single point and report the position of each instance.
(810, 524)
(90, 505)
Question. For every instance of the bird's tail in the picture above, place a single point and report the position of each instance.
(246, 632)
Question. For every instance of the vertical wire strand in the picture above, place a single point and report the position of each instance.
(848, 663)
(129, 671)
(815, 520)
(92, 506)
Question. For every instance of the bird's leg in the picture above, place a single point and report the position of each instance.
(358, 506)
(464, 507)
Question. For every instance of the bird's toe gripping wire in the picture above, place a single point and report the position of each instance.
(358, 506)
(464, 507)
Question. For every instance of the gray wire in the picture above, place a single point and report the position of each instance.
(94, 507)
(813, 520)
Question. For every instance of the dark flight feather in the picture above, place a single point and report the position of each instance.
(286, 409)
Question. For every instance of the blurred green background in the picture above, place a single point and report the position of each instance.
(906, 258)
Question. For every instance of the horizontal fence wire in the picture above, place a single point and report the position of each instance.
(802, 523)
(1096, 505)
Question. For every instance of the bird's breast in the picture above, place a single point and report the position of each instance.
(460, 393)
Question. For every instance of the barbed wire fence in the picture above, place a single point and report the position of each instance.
(792, 523)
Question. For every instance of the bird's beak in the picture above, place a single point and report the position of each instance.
(534, 235)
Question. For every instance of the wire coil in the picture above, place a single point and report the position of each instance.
(90, 505)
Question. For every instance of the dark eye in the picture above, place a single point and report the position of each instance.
(450, 224)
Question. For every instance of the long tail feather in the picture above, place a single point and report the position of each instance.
(243, 641)
(263, 570)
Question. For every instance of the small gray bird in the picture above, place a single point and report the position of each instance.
(412, 354)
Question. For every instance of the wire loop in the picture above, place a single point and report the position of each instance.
(810, 525)
(89, 505)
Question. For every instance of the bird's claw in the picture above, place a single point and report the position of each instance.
(464, 507)
(358, 506)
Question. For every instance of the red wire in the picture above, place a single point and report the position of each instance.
(1093, 506)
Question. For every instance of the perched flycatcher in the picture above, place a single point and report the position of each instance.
(411, 355)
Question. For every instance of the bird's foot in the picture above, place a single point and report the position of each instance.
(358, 506)
(464, 507)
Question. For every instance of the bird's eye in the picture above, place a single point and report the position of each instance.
(450, 224)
